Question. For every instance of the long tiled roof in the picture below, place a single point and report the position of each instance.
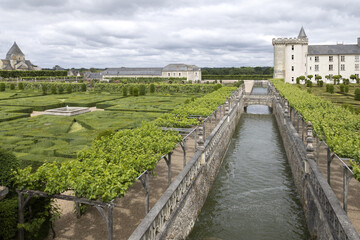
(333, 49)
(133, 71)
(180, 67)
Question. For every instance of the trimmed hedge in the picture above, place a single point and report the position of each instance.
(236, 77)
(159, 88)
(47, 86)
(31, 73)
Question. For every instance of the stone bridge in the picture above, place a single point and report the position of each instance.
(258, 100)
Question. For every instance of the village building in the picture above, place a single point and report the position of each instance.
(293, 57)
(15, 60)
(189, 72)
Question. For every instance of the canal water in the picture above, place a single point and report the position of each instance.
(253, 196)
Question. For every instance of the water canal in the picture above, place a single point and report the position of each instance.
(253, 196)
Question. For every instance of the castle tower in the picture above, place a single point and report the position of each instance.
(15, 53)
(290, 57)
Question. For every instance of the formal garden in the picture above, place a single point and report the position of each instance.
(131, 118)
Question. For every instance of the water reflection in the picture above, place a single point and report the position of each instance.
(253, 196)
(258, 109)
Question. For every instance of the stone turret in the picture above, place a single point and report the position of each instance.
(285, 51)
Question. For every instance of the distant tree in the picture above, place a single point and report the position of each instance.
(336, 79)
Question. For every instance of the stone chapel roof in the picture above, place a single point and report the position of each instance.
(14, 50)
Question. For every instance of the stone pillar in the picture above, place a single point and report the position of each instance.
(200, 143)
(227, 110)
(286, 112)
(309, 145)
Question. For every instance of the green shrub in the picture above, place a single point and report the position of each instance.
(131, 90)
(321, 83)
(61, 89)
(21, 86)
(8, 218)
(136, 91)
(217, 86)
(124, 91)
(309, 83)
(152, 88)
(12, 86)
(342, 88)
(8, 161)
(348, 107)
(346, 88)
(357, 94)
(53, 89)
(44, 88)
(83, 87)
(69, 89)
(142, 90)
(2, 87)
(329, 88)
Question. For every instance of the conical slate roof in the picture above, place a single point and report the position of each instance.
(302, 33)
(14, 50)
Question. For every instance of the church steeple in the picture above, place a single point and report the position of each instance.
(302, 33)
(15, 53)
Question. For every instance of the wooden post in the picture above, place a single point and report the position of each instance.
(21, 214)
(346, 180)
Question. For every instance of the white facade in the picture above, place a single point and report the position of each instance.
(293, 57)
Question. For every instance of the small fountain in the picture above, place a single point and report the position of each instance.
(67, 111)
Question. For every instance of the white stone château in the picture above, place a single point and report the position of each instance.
(190, 72)
(293, 57)
(15, 60)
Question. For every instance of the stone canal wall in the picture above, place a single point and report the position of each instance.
(174, 215)
(325, 217)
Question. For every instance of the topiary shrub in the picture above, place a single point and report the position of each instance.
(69, 88)
(131, 90)
(2, 87)
(44, 89)
(329, 88)
(83, 87)
(342, 88)
(8, 162)
(21, 86)
(61, 89)
(12, 86)
(124, 91)
(321, 83)
(152, 88)
(357, 94)
(346, 88)
(142, 90)
(53, 89)
(136, 91)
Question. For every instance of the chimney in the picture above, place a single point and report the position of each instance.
(359, 41)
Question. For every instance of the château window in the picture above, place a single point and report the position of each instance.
(316, 58)
(342, 58)
(331, 67)
(342, 67)
(310, 58)
(292, 68)
(357, 67)
(310, 68)
(292, 47)
(356, 58)
(331, 58)
(316, 67)
(174, 74)
(292, 79)
(292, 57)
(168, 74)
(179, 74)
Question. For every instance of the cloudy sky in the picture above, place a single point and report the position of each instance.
(153, 33)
